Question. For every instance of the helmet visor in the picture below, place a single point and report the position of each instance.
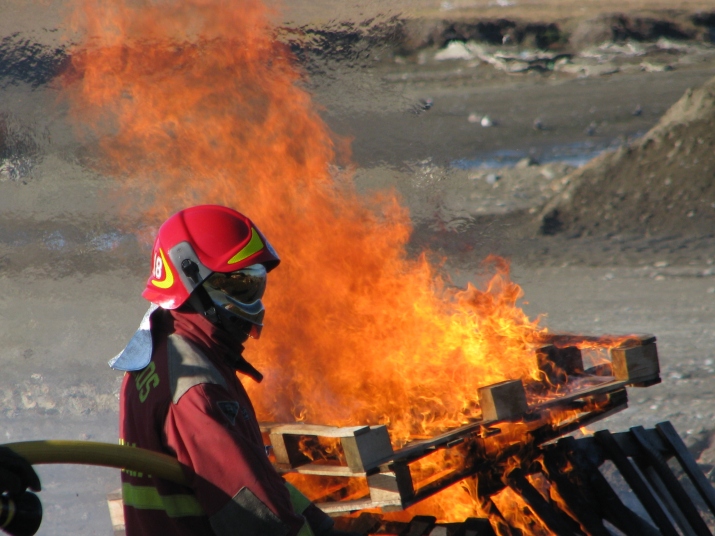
(239, 293)
(245, 286)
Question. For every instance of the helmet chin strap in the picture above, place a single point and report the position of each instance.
(201, 302)
(199, 299)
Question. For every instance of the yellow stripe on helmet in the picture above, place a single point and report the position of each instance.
(254, 245)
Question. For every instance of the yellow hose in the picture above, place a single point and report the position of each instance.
(103, 454)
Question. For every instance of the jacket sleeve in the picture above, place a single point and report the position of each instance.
(234, 481)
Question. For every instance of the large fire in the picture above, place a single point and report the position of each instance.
(197, 102)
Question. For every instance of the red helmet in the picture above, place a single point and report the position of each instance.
(197, 242)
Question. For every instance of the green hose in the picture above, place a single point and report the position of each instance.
(102, 454)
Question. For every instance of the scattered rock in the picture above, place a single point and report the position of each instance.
(455, 50)
(650, 67)
(526, 162)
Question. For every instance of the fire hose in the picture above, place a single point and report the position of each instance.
(22, 516)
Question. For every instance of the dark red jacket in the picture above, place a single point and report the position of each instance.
(188, 403)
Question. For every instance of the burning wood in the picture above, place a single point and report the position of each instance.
(563, 492)
(499, 449)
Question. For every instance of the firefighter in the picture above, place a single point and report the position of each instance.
(181, 395)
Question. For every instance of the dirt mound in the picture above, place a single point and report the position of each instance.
(663, 184)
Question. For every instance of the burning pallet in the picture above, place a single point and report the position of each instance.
(587, 502)
(509, 426)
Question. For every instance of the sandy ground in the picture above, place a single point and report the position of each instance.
(70, 280)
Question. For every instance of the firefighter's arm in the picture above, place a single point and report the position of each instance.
(235, 482)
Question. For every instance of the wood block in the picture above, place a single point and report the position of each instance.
(503, 400)
(392, 487)
(286, 451)
(366, 447)
(116, 512)
(363, 446)
(636, 363)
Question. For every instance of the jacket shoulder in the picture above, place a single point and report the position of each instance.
(188, 367)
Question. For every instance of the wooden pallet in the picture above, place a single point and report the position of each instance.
(585, 499)
(369, 455)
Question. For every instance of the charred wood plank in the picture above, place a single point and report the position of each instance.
(418, 449)
(547, 513)
(672, 485)
(580, 508)
(617, 401)
(631, 448)
(701, 483)
(486, 487)
(596, 489)
(420, 526)
(639, 487)
(365, 523)
(474, 526)
(666, 498)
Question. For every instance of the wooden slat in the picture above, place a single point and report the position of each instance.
(325, 470)
(673, 487)
(702, 484)
(636, 483)
(546, 512)
(579, 507)
(597, 490)
(420, 526)
(418, 449)
(344, 507)
(299, 428)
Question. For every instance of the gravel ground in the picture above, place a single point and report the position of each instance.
(70, 273)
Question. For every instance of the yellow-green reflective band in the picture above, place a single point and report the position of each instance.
(299, 501)
(254, 245)
(305, 530)
(148, 498)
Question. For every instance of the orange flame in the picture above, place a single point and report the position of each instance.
(196, 102)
